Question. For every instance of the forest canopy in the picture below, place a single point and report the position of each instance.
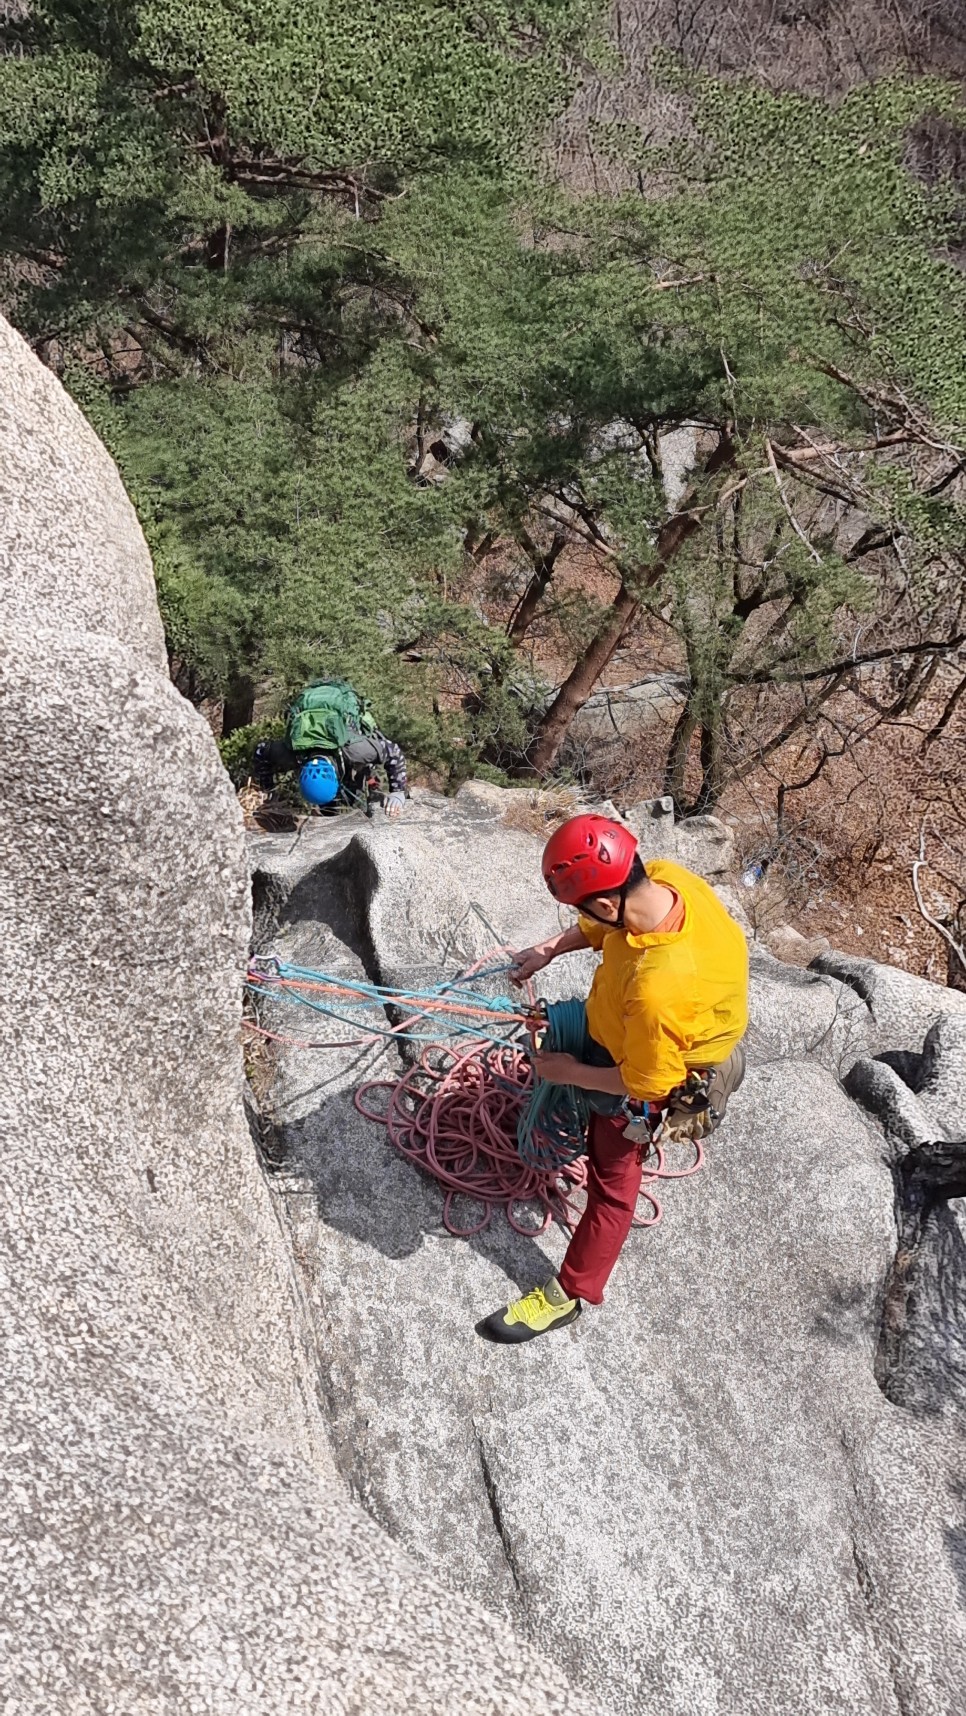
(308, 272)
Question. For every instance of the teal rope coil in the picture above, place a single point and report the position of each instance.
(552, 1129)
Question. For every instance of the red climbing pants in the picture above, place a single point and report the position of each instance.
(613, 1181)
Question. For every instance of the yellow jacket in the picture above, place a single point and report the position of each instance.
(661, 1004)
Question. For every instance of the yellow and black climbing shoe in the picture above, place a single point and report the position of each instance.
(544, 1309)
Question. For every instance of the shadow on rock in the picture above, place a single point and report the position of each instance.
(324, 896)
(921, 1361)
(368, 1191)
(843, 1319)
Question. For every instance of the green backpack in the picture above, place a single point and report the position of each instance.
(327, 715)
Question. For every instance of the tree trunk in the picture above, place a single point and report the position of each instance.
(955, 970)
(239, 705)
(712, 766)
(523, 614)
(583, 676)
(577, 687)
(675, 768)
(216, 249)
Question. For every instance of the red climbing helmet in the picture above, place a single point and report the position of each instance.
(588, 855)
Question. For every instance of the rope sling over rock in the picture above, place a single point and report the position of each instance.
(469, 1110)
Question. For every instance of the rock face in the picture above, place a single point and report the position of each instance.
(176, 1529)
(72, 557)
(256, 1459)
(734, 1488)
(619, 716)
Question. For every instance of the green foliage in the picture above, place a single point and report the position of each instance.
(288, 536)
(294, 241)
(788, 279)
(792, 240)
(188, 169)
(409, 717)
(803, 240)
(237, 752)
(194, 199)
(488, 772)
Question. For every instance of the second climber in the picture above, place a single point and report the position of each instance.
(333, 743)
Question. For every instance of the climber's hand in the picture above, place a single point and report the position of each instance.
(558, 1069)
(532, 959)
(394, 804)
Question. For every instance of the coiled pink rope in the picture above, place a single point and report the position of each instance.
(455, 1114)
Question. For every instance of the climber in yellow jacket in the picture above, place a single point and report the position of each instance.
(666, 1013)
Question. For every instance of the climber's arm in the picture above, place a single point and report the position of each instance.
(532, 959)
(565, 1069)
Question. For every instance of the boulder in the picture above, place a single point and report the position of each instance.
(489, 799)
(794, 1014)
(707, 845)
(619, 714)
(788, 944)
(918, 1096)
(881, 1087)
(942, 1079)
(901, 1007)
(72, 556)
(532, 806)
(652, 820)
(917, 1100)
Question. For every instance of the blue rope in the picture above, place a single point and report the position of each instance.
(552, 1130)
(356, 1009)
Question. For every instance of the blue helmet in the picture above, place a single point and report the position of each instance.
(318, 781)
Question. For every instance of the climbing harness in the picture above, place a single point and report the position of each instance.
(686, 1112)
(469, 1110)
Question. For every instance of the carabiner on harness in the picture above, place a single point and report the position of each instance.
(536, 1024)
(694, 1095)
(640, 1121)
(646, 1122)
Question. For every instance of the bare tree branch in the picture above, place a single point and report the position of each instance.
(787, 507)
(774, 675)
(951, 705)
(934, 923)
